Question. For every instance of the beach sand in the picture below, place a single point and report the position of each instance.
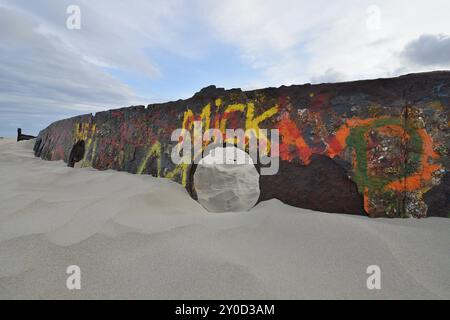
(145, 238)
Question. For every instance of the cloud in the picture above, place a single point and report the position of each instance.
(41, 77)
(428, 50)
(272, 36)
(297, 41)
(329, 76)
(48, 72)
(113, 33)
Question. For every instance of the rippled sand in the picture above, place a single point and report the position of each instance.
(142, 237)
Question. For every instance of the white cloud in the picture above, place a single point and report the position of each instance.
(39, 73)
(48, 71)
(297, 41)
(113, 33)
(329, 76)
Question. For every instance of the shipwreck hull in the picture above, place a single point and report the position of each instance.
(376, 147)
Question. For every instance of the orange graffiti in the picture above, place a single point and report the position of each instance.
(392, 130)
(357, 122)
(337, 143)
(366, 200)
(417, 180)
(292, 136)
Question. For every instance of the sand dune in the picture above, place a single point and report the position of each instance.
(142, 237)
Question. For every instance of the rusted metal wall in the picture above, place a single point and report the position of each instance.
(377, 147)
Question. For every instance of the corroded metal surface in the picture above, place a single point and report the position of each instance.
(377, 147)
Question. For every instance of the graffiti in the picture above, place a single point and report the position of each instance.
(361, 138)
(222, 120)
(402, 171)
(393, 152)
(256, 147)
(155, 151)
(86, 132)
(379, 171)
(292, 137)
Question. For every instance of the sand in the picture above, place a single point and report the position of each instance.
(142, 237)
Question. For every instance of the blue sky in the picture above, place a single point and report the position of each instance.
(182, 76)
(145, 51)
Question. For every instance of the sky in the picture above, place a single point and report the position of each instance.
(138, 52)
